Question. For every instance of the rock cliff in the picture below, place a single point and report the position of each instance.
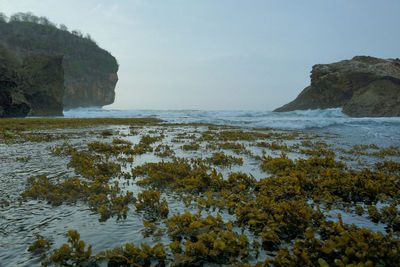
(90, 73)
(43, 84)
(33, 87)
(363, 86)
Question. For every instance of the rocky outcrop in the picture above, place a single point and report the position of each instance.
(12, 102)
(363, 86)
(34, 87)
(90, 91)
(43, 84)
(90, 73)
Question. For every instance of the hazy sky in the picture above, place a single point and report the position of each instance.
(223, 54)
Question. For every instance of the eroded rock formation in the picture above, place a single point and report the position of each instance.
(33, 87)
(43, 84)
(363, 86)
(90, 72)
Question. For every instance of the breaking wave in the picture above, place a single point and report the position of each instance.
(299, 119)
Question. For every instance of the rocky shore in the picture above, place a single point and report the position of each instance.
(363, 86)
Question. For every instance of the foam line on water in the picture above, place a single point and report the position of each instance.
(299, 119)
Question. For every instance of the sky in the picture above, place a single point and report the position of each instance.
(223, 54)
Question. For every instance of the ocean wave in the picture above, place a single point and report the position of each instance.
(298, 119)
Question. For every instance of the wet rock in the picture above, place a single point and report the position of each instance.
(363, 86)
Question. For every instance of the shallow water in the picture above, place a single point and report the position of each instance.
(299, 119)
(19, 222)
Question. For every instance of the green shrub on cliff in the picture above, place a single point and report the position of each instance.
(31, 33)
(7, 58)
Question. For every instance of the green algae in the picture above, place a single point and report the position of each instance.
(72, 253)
(164, 151)
(40, 246)
(223, 160)
(191, 146)
(149, 201)
(283, 213)
(59, 123)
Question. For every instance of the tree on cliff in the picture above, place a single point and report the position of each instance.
(3, 17)
(8, 59)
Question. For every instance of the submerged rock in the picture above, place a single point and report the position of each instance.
(363, 86)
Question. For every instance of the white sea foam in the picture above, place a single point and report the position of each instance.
(299, 119)
(383, 131)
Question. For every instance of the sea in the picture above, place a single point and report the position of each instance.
(383, 131)
(20, 223)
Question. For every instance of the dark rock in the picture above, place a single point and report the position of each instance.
(13, 104)
(35, 87)
(43, 84)
(12, 101)
(90, 71)
(363, 87)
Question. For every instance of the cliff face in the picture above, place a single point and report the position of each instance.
(363, 87)
(86, 92)
(34, 87)
(90, 73)
(43, 84)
